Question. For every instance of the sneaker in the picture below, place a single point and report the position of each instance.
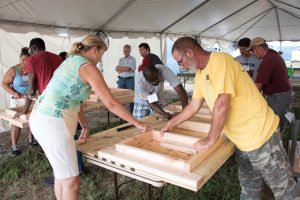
(15, 152)
(49, 181)
(32, 144)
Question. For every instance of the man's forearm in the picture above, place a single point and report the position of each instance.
(156, 107)
(182, 95)
(219, 117)
(184, 99)
(121, 69)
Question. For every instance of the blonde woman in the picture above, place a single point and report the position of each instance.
(54, 118)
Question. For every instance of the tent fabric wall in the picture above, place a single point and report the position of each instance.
(11, 44)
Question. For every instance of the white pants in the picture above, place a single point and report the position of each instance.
(58, 145)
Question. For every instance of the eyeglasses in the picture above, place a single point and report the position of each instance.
(155, 82)
(180, 61)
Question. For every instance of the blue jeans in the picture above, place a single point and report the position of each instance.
(127, 84)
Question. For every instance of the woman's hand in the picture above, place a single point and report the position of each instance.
(143, 127)
(84, 135)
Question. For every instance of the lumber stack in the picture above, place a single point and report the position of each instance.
(123, 96)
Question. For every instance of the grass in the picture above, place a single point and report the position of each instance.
(21, 178)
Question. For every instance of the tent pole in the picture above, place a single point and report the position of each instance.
(160, 43)
(117, 14)
(278, 25)
(184, 16)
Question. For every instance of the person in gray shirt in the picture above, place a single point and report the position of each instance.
(149, 87)
(248, 61)
(126, 71)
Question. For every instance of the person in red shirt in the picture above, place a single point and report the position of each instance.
(148, 58)
(272, 78)
(40, 67)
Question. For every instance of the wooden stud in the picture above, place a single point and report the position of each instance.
(195, 126)
(168, 173)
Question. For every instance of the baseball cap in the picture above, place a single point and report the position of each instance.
(256, 42)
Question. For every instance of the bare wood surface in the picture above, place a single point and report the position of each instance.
(110, 137)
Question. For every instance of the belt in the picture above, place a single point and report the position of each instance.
(125, 78)
(280, 93)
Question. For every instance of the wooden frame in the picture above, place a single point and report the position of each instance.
(21, 121)
(181, 178)
(118, 93)
(173, 150)
(204, 111)
(170, 158)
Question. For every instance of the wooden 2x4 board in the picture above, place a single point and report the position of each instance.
(173, 150)
(204, 111)
(171, 157)
(120, 94)
(9, 113)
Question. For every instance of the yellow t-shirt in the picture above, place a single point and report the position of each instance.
(250, 121)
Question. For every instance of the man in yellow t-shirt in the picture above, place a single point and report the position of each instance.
(240, 111)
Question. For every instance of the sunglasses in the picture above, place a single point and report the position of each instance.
(180, 61)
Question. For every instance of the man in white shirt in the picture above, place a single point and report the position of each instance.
(126, 71)
(248, 61)
(148, 90)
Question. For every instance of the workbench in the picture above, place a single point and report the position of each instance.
(123, 96)
(185, 76)
(104, 142)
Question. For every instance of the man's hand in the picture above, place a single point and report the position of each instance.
(129, 69)
(169, 116)
(143, 127)
(202, 144)
(168, 127)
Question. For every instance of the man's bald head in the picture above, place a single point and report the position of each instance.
(185, 43)
(151, 74)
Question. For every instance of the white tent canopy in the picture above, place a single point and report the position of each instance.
(227, 19)
(135, 21)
